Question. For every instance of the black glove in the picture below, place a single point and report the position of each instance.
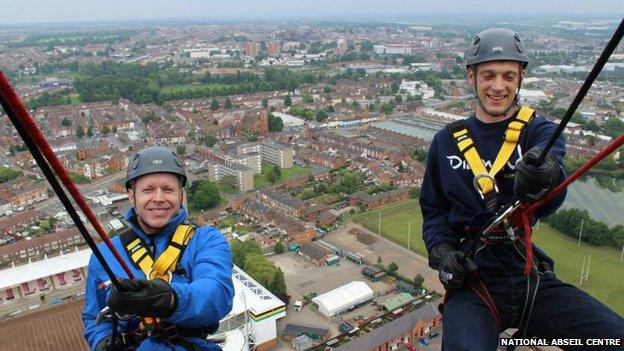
(104, 344)
(532, 182)
(452, 265)
(142, 297)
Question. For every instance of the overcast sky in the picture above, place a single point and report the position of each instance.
(27, 11)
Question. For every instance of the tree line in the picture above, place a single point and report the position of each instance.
(593, 232)
(248, 256)
(143, 84)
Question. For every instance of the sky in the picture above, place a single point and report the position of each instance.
(37, 11)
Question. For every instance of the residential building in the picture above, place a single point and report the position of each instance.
(416, 87)
(342, 45)
(277, 154)
(281, 201)
(251, 49)
(373, 201)
(273, 48)
(37, 247)
(241, 176)
(401, 331)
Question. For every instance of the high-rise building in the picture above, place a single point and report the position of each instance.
(251, 49)
(273, 47)
(240, 176)
(342, 46)
(277, 154)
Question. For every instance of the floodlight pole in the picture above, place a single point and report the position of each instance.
(580, 232)
(409, 234)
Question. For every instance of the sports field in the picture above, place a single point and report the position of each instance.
(606, 271)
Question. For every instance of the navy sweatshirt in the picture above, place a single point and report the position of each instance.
(449, 201)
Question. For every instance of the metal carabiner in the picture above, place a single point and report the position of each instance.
(475, 183)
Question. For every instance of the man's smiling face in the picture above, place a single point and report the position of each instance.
(496, 85)
(156, 198)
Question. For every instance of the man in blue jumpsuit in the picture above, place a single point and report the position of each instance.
(199, 292)
(452, 209)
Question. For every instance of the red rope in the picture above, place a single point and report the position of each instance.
(31, 128)
(525, 212)
(578, 173)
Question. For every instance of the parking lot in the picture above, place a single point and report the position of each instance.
(302, 276)
(409, 262)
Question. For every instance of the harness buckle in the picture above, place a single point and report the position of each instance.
(153, 274)
(475, 183)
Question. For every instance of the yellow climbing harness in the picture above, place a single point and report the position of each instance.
(166, 263)
(484, 180)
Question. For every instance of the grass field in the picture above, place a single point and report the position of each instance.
(605, 278)
(260, 180)
(75, 98)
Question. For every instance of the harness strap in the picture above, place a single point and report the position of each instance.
(484, 179)
(478, 286)
(167, 261)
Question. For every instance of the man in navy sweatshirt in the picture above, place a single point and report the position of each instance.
(468, 176)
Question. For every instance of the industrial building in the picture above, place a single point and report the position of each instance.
(251, 325)
(344, 298)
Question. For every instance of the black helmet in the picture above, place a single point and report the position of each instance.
(154, 159)
(496, 44)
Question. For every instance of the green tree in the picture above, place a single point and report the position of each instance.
(7, 173)
(191, 134)
(90, 130)
(398, 99)
(350, 182)
(288, 101)
(79, 178)
(209, 140)
(228, 104)
(617, 236)
(414, 192)
(214, 105)
(148, 117)
(105, 130)
(418, 281)
(203, 195)
(277, 171)
(379, 260)
(240, 250)
(393, 267)
(275, 123)
(272, 177)
(279, 284)
(278, 248)
(66, 122)
(265, 103)
(308, 99)
(181, 149)
(614, 127)
(321, 116)
(80, 132)
(386, 108)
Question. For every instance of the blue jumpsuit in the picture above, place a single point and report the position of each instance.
(203, 283)
(449, 203)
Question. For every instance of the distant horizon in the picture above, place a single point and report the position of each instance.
(416, 19)
(28, 12)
